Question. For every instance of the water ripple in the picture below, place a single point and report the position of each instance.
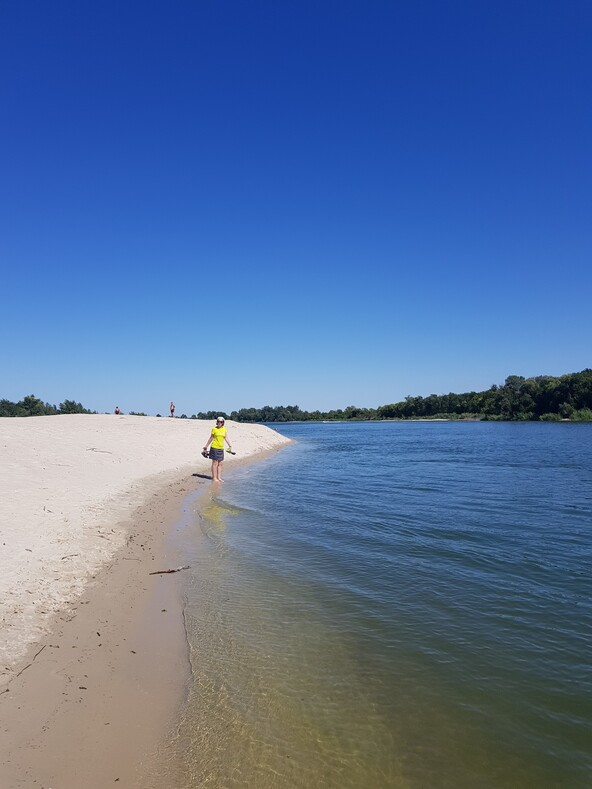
(421, 620)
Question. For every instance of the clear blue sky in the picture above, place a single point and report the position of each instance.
(235, 204)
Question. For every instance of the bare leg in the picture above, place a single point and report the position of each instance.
(220, 471)
(214, 474)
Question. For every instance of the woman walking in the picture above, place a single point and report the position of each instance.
(217, 440)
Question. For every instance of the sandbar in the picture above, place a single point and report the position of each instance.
(93, 656)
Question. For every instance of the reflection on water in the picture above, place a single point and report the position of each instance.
(415, 634)
(214, 514)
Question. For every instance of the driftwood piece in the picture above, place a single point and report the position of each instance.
(31, 663)
(176, 570)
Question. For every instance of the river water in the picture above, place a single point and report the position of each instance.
(394, 605)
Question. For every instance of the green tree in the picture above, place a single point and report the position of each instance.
(32, 406)
(7, 408)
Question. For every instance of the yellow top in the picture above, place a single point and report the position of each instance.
(219, 434)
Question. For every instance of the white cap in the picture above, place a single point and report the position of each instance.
(220, 419)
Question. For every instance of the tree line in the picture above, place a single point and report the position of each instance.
(32, 406)
(542, 398)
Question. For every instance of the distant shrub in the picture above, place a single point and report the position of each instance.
(550, 418)
(137, 413)
(72, 407)
(583, 415)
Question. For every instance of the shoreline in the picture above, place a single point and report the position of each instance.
(92, 700)
(91, 703)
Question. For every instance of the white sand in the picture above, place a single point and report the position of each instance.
(67, 483)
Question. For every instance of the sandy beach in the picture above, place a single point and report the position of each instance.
(92, 651)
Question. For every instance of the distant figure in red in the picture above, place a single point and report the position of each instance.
(172, 408)
(117, 411)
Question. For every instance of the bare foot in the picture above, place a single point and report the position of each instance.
(220, 480)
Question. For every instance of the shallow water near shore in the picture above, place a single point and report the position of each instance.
(414, 616)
